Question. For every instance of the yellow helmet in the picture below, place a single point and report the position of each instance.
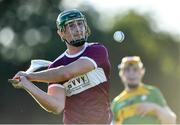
(130, 60)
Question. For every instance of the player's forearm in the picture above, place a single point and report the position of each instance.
(51, 75)
(47, 102)
(165, 115)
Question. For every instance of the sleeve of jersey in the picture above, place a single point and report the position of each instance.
(50, 85)
(113, 109)
(159, 97)
(97, 54)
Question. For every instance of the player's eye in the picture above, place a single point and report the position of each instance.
(127, 69)
(80, 23)
(71, 25)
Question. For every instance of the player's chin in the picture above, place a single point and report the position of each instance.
(132, 85)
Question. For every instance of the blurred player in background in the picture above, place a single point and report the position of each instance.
(78, 79)
(139, 103)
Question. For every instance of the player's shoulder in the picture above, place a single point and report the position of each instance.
(96, 45)
(96, 48)
(119, 97)
(115, 100)
(59, 57)
(57, 60)
(152, 88)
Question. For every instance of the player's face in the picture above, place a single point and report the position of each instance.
(75, 30)
(132, 75)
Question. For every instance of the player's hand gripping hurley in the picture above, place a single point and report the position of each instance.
(35, 65)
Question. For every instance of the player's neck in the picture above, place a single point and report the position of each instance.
(71, 50)
(133, 87)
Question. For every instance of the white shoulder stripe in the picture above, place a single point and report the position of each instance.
(94, 63)
(57, 85)
(77, 54)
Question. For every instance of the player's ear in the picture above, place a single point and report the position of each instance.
(143, 71)
(58, 32)
(61, 34)
(120, 73)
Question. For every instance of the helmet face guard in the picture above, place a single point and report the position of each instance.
(76, 32)
(73, 23)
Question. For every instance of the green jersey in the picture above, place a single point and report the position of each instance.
(124, 105)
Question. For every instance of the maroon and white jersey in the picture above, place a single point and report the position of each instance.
(87, 98)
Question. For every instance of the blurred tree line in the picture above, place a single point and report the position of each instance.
(28, 31)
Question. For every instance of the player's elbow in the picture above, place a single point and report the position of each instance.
(57, 112)
(59, 109)
(169, 118)
(67, 75)
(63, 75)
(173, 118)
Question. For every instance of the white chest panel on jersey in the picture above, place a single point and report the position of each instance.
(85, 81)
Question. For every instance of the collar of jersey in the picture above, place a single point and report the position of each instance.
(77, 54)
